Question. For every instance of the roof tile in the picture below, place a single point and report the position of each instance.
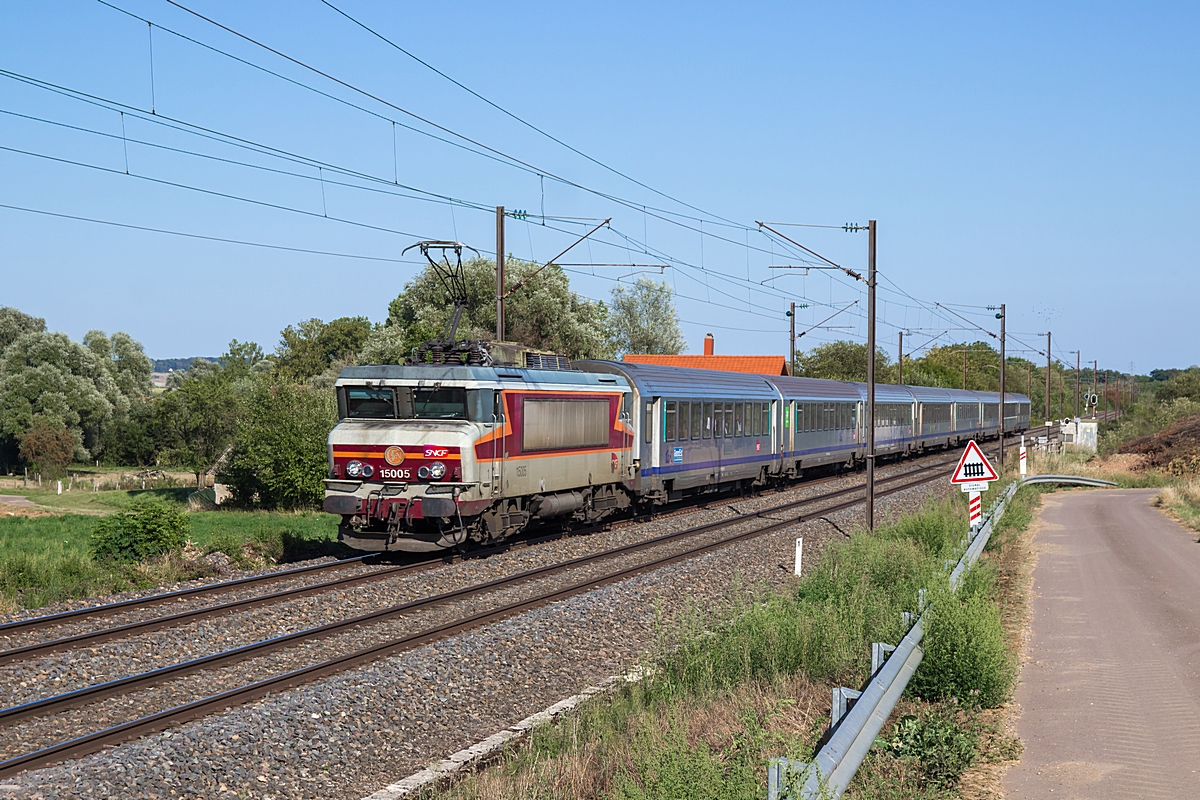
(756, 365)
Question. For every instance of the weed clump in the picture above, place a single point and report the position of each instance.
(148, 529)
(944, 748)
(966, 656)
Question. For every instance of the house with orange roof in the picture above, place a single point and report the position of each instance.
(756, 365)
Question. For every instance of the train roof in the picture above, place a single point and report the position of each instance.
(399, 373)
(813, 388)
(655, 380)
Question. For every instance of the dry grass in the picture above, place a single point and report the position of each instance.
(1181, 503)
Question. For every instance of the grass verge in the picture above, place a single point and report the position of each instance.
(755, 682)
(46, 559)
(1181, 503)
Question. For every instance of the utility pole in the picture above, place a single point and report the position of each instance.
(1001, 316)
(1095, 366)
(792, 341)
(900, 361)
(964, 368)
(499, 273)
(871, 376)
(1048, 417)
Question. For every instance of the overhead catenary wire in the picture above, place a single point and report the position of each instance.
(206, 237)
(517, 118)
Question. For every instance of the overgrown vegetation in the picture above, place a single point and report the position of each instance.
(753, 684)
(148, 529)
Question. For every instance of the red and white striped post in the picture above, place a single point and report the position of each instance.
(975, 504)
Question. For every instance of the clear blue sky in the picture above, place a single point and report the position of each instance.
(1034, 154)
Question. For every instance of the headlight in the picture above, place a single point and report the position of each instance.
(354, 469)
(437, 470)
(423, 472)
(367, 470)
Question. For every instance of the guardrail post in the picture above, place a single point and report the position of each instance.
(843, 701)
(879, 654)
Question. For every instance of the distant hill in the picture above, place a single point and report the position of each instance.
(172, 364)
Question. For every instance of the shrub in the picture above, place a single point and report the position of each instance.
(966, 657)
(945, 749)
(148, 529)
(279, 457)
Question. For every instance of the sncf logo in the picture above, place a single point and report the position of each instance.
(435, 452)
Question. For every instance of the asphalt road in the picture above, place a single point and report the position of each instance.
(1111, 689)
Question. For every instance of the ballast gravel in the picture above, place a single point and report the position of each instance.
(348, 735)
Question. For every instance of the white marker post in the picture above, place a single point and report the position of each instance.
(799, 554)
(1022, 456)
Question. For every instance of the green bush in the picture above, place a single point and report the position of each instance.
(148, 529)
(944, 747)
(279, 457)
(966, 657)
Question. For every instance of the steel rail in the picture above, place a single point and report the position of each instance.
(90, 743)
(120, 686)
(61, 617)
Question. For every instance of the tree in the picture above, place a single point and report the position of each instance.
(134, 439)
(127, 362)
(843, 361)
(197, 421)
(14, 323)
(308, 348)
(278, 456)
(48, 447)
(1184, 383)
(48, 375)
(643, 319)
(542, 313)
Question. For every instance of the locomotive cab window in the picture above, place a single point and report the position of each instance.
(446, 403)
(365, 402)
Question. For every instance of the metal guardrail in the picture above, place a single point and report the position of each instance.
(1078, 480)
(854, 731)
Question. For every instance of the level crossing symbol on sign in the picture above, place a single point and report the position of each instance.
(974, 472)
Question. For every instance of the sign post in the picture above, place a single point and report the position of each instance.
(973, 474)
(1022, 456)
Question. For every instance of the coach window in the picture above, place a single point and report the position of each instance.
(669, 421)
(684, 421)
(708, 420)
(737, 419)
(766, 419)
(728, 419)
(649, 426)
(752, 417)
(696, 423)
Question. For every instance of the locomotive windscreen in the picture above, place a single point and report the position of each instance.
(564, 424)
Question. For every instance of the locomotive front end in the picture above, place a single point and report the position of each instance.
(402, 469)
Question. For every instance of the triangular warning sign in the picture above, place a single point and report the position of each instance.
(973, 466)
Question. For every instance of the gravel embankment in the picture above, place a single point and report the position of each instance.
(348, 735)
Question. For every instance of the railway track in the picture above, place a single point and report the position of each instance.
(758, 523)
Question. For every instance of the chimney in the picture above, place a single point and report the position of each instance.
(708, 344)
